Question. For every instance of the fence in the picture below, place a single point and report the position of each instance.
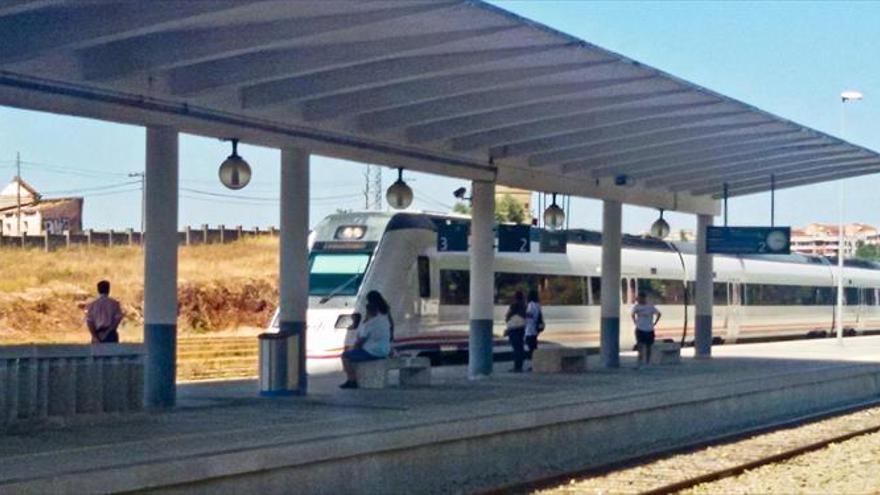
(188, 237)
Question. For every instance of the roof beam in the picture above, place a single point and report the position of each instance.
(472, 132)
(608, 165)
(472, 104)
(657, 139)
(249, 68)
(28, 34)
(407, 92)
(804, 168)
(764, 148)
(375, 74)
(800, 180)
(582, 132)
(165, 49)
(743, 168)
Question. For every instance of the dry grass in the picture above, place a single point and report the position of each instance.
(221, 288)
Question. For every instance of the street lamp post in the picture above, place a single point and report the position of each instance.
(845, 97)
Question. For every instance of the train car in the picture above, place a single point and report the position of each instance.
(756, 297)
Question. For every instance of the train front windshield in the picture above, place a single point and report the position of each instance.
(336, 274)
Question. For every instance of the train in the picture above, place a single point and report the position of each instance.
(755, 297)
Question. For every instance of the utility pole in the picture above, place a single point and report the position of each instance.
(368, 172)
(18, 193)
(142, 177)
(377, 187)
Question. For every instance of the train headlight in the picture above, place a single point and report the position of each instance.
(348, 321)
(350, 232)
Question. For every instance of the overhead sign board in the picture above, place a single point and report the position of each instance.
(748, 240)
(514, 239)
(452, 237)
(554, 242)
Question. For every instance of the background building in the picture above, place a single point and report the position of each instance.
(38, 215)
(822, 238)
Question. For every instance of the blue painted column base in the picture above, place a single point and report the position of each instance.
(160, 369)
(480, 348)
(703, 337)
(610, 342)
(283, 360)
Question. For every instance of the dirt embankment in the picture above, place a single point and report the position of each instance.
(43, 296)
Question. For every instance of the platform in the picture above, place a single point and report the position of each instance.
(456, 436)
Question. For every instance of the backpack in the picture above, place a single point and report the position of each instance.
(540, 324)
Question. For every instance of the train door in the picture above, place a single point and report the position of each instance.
(734, 309)
(860, 314)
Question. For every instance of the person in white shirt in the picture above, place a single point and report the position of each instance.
(645, 317)
(534, 323)
(373, 342)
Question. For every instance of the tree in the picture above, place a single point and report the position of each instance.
(868, 252)
(509, 209)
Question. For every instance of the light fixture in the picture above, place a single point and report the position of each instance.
(851, 95)
(399, 194)
(459, 193)
(660, 228)
(235, 173)
(554, 217)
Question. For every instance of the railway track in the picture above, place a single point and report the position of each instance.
(214, 358)
(685, 469)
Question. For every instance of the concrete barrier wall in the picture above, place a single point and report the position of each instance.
(190, 236)
(41, 382)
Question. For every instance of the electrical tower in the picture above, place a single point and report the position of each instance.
(373, 187)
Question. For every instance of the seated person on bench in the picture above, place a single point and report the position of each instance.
(373, 342)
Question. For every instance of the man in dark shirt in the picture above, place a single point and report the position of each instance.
(104, 316)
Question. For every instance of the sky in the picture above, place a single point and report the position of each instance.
(790, 58)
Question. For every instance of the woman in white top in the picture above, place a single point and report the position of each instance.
(534, 322)
(373, 342)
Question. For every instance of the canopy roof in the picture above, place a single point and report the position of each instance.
(460, 88)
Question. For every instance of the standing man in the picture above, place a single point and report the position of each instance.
(645, 316)
(104, 316)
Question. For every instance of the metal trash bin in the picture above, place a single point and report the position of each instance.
(279, 363)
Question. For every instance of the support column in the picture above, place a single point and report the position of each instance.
(612, 213)
(482, 279)
(160, 267)
(289, 371)
(704, 291)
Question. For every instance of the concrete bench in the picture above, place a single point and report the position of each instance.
(414, 371)
(559, 360)
(42, 382)
(666, 352)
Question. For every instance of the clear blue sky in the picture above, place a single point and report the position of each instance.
(789, 58)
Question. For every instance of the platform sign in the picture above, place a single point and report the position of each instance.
(554, 242)
(452, 237)
(748, 240)
(514, 239)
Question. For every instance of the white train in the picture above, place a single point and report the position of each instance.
(395, 253)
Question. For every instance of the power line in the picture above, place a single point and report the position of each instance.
(92, 189)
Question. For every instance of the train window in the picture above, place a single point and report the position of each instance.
(719, 293)
(851, 294)
(660, 291)
(455, 287)
(596, 290)
(788, 295)
(424, 266)
(869, 297)
(553, 290)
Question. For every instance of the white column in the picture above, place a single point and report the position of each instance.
(288, 371)
(612, 213)
(704, 291)
(160, 267)
(482, 279)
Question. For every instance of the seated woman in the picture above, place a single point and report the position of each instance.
(373, 342)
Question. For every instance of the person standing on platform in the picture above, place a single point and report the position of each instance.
(534, 323)
(645, 316)
(103, 316)
(516, 330)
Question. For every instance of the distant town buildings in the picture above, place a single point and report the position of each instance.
(822, 239)
(38, 215)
